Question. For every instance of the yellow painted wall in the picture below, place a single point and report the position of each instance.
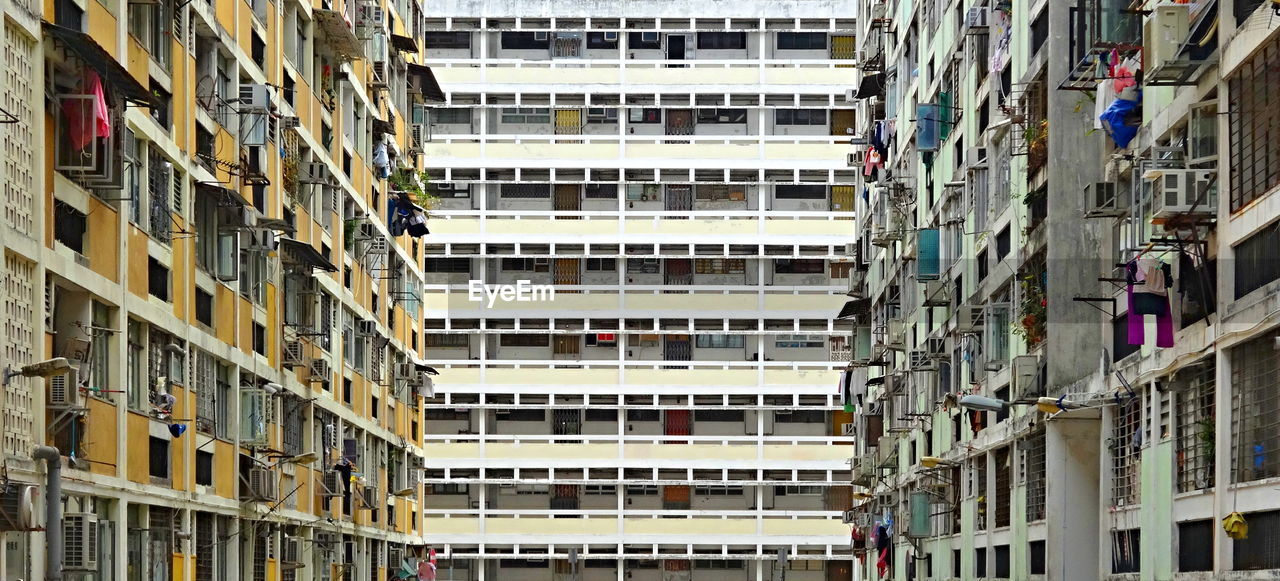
(137, 447)
(103, 250)
(137, 266)
(100, 437)
(225, 468)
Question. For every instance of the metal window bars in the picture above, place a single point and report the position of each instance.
(1195, 435)
(1124, 446)
(1255, 368)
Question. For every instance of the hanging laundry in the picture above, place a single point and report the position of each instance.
(381, 161)
(87, 118)
(1147, 291)
(873, 164)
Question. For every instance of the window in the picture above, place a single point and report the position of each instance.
(448, 40)
(525, 40)
(649, 40)
(643, 266)
(720, 341)
(522, 563)
(159, 456)
(799, 266)
(1002, 562)
(204, 468)
(447, 265)
(526, 191)
(259, 339)
(524, 340)
(802, 41)
(525, 264)
(600, 191)
(1255, 370)
(718, 490)
(735, 116)
(1193, 538)
(450, 115)
(718, 415)
(1125, 557)
(800, 192)
(799, 341)
(644, 415)
(204, 308)
(602, 265)
(601, 415)
(520, 415)
(151, 25)
(800, 417)
(800, 117)
(1194, 394)
(595, 340)
(599, 490)
(69, 226)
(719, 266)
(529, 115)
(721, 564)
(600, 40)
(1036, 555)
(1125, 446)
(1255, 153)
(722, 40)
(719, 192)
(642, 490)
(798, 490)
(644, 115)
(446, 340)
(1034, 468)
(157, 279)
(1257, 263)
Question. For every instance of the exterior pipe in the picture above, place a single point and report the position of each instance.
(53, 511)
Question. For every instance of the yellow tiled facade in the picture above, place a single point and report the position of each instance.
(205, 213)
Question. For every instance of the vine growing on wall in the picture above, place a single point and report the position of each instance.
(1032, 310)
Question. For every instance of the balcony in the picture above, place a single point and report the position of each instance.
(1099, 27)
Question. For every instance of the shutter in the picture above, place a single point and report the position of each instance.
(928, 259)
(178, 179)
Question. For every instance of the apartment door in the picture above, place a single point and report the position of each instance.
(842, 198)
(842, 570)
(842, 122)
(566, 422)
(569, 122)
(676, 570)
(676, 423)
(676, 48)
(679, 198)
(676, 348)
(843, 48)
(678, 271)
(567, 199)
(675, 497)
(566, 347)
(679, 122)
(565, 497)
(567, 272)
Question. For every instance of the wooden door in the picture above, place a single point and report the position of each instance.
(567, 272)
(678, 271)
(567, 199)
(679, 122)
(566, 346)
(842, 121)
(675, 497)
(843, 198)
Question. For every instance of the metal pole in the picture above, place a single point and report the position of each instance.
(53, 511)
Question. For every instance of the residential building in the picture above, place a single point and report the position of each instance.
(677, 174)
(196, 220)
(1051, 170)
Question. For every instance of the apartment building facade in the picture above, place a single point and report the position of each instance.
(1061, 297)
(197, 221)
(677, 174)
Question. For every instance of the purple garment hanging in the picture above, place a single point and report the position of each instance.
(1136, 320)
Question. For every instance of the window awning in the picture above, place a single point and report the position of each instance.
(875, 381)
(303, 254)
(341, 39)
(854, 308)
(427, 368)
(89, 52)
(404, 43)
(872, 86)
(383, 127)
(425, 82)
(225, 196)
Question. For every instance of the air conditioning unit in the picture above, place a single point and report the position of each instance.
(1026, 369)
(850, 95)
(405, 371)
(262, 484)
(919, 360)
(935, 294)
(366, 328)
(1176, 192)
(851, 249)
(261, 240)
(256, 97)
(854, 159)
(419, 135)
(1104, 201)
(936, 346)
(378, 245)
(291, 554)
(611, 36)
(80, 541)
(1164, 33)
(290, 122)
(18, 507)
(293, 356)
(372, 16)
(970, 318)
(897, 333)
(379, 71)
(319, 369)
(64, 389)
(331, 436)
(369, 496)
(314, 172)
(331, 483)
(978, 18)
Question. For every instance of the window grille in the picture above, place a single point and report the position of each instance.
(1255, 155)
(1195, 436)
(205, 383)
(1034, 448)
(159, 184)
(1261, 549)
(1004, 487)
(1125, 446)
(1255, 369)
(206, 546)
